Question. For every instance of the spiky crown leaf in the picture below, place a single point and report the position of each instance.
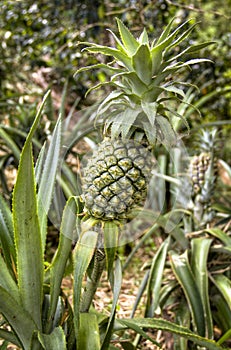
(138, 101)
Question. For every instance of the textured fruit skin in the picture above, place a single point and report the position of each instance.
(115, 179)
(199, 166)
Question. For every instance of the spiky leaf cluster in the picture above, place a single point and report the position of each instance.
(139, 72)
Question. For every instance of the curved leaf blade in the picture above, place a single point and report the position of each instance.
(7, 281)
(89, 337)
(183, 273)
(53, 341)
(221, 235)
(150, 110)
(82, 256)
(111, 235)
(18, 318)
(156, 323)
(116, 283)
(7, 234)
(8, 337)
(200, 250)
(130, 43)
(110, 51)
(155, 278)
(10, 143)
(142, 63)
(223, 283)
(27, 233)
(67, 231)
(48, 178)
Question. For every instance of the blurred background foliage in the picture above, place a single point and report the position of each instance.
(39, 45)
(40, 49)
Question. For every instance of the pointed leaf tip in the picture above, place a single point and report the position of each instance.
(143, 39)
(130, 43)
(142, 63)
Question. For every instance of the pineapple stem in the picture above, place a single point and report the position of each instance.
(93, 280)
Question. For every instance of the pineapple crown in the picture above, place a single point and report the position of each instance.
(208, 140)
(137, 105)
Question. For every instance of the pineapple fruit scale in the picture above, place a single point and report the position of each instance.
(137, 114)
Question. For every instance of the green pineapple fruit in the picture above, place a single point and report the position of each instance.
(137, 114)
(116, 178)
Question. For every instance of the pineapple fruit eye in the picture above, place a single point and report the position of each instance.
(115, 172)
(133, 174)
(125, 164)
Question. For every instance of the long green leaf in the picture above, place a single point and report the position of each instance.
(8, 337)
(128, 119)
(48, 178)
(37, 118)
(182, 36)
(155, 278)
(218, 233)
(119, 44)
(223, 283)
(39, 163)
(183, 273)
(18, 318)
(132, 81)
(7, 281)
(89, 337)
(150, 110)
(225, 337)
(67, 232)
(130, 43)
(191, 49)
(165, 32)
(98, 66)
(113, 96)
(109, 51)
(138, 329)
(27, 230)
(140, 293)
(143, 38)
(167, 134)
(222, 312)
(142, 63)
(172, 328)
(116, 285)
(111, 235)
(7, 234)
(178, 65)
(182, 318)
(158, 49)
(10, 143)
(83, 253)
(53, 341)
(200, 249)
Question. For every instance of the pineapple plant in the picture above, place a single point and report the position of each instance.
(137, 114)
